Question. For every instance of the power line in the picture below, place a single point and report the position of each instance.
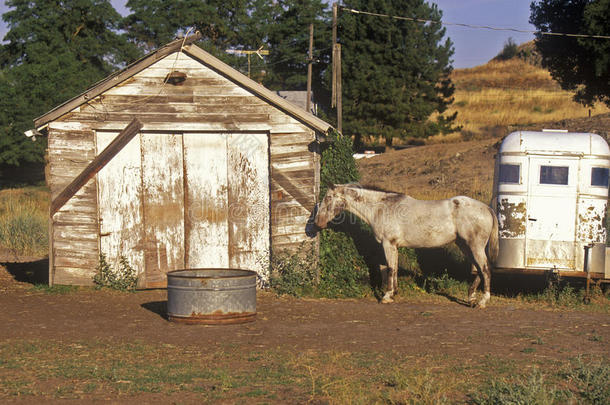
(487, 27)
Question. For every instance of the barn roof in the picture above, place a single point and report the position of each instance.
(186, 45)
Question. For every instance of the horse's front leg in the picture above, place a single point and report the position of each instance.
(391, 257)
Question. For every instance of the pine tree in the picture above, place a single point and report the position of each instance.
(223, 24)
(395, 72)
(288, 40)
(578, 64)
(55, 50)
(154, 23)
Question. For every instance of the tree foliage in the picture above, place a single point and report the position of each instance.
(54, 51)
(154, 23)
(509, 50)
(288, 40)
(395, 72)
(578, 64)
(338, 165)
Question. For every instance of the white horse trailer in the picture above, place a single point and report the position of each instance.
(550, 195)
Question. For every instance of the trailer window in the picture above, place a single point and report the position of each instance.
(599, 176)
(554, 175)
(509, 174)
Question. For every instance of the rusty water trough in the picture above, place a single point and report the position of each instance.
(211, 296)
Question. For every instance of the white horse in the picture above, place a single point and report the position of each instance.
(399, 220)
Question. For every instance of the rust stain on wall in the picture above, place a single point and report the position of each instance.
(591, 222)
(512, 217)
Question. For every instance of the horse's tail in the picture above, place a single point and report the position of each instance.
(493, 245)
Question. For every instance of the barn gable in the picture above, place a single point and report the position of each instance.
(221, 165)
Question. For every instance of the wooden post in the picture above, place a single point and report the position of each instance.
(96, 165)
(309, 67)
(339, 100)
(333, 97)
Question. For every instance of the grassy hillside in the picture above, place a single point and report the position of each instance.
(509, 93)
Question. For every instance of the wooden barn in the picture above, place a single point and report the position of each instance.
(221, 172)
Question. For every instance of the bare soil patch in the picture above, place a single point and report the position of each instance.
(424, 331)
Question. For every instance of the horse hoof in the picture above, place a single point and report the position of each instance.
(387, 300)
(480, 305)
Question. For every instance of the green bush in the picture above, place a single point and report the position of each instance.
(123, 279)
(342, 269)
(509, 51)
(343, 272)
(338, 165)
(294, 272)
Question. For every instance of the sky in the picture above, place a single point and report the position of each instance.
(473, 47)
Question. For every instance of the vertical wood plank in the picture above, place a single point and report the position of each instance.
(120, 205)
(163, 202)
(206, 226)
(248, 181)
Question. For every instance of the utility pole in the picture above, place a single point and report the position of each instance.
(333, 97)
(336, 85)
(260, 52)
(339, 98)
(309, 67)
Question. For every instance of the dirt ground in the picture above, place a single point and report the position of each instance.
(441, 329)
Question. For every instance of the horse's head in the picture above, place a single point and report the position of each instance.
(332, 204)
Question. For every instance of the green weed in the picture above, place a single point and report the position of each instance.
(532, 390)
(55, 289)
(445, 285)
(123, 279)
(591, 380)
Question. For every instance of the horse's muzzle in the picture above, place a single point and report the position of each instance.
(320, 224)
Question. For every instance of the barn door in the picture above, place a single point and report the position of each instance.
(551, 210)
(169, 202)
(206, 225)
(119, 186)
(227, 190)
(163, 206)
(249, 211)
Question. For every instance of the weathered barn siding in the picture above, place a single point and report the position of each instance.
(74, 237)
(262, 157)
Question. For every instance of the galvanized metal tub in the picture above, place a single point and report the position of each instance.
(211, 296)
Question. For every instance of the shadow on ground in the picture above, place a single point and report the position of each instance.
(157, 307)
(34, 272)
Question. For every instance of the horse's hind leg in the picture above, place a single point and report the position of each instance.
(481, 262)
(472, 291)
(478, 273)
(478, 258)
(391, 256)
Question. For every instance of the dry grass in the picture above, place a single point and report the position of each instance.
(509, 93)
(86, 371)
(24, 221)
